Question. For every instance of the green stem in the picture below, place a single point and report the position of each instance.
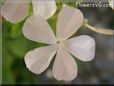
(99, 30)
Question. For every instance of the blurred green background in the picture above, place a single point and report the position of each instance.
(15, 46)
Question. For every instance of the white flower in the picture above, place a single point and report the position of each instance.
(17, 10)
(111, 3)
(82, 47)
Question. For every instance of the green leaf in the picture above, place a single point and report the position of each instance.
(17, 47)
(7, 74)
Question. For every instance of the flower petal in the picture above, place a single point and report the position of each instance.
(82, 47)
(111, 3)
(37, 29)
(15, 11)
(39, 59)
(44, 8)
(69, 21)
(65, 67)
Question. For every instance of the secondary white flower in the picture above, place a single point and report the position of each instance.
(111, 3)
(82, 47)
(17, 10)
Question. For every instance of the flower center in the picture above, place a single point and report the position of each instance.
(58, 42)
(61, 43)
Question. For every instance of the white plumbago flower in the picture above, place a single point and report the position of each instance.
(111, 3)
(17, 10)
(82, 47)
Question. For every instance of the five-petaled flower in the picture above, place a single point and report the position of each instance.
(82, 47)
(17, 10)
